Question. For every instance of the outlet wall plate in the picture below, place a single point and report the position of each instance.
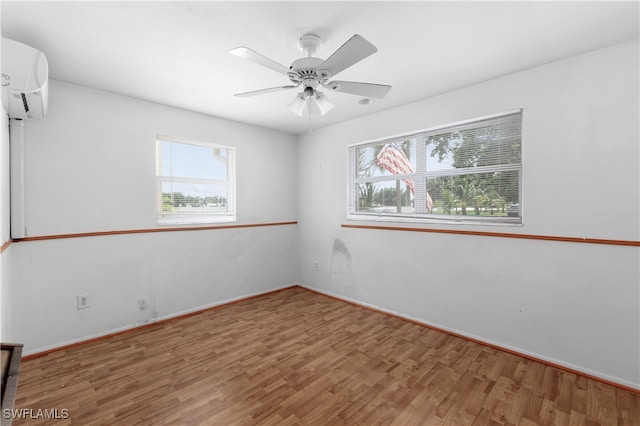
(83, 301)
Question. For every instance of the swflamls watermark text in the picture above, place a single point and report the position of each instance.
(33, 413)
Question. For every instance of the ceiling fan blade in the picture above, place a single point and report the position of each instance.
(263, 91)
(363, 89)
(252, 55)
(353, 51)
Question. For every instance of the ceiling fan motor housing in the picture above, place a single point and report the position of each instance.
(305, 70)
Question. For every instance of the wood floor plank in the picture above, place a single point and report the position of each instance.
(295, 357)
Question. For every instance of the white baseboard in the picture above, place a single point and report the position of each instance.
(105, 334)
(615, 381)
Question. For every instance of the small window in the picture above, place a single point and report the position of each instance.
(195, 182)
(469, 172)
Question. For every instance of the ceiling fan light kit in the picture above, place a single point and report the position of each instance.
(315, 101)
(313, 73)
(323, 103)
(297, 104)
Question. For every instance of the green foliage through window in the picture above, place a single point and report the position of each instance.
(467, 172)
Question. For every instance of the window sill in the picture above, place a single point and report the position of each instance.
(435, 219)
(200, 220)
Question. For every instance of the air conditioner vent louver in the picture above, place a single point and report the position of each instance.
(24, 103)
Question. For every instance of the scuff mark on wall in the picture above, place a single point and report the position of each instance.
(154, 312)
(341, 264)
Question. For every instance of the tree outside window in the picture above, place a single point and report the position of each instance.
(467, 172)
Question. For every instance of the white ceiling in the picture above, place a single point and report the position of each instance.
(176, 53)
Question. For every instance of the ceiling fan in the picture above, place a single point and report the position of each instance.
(312, 73)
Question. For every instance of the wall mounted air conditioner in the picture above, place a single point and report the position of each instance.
(25, 80)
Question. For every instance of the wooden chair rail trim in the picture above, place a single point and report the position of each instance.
(149, 230)
(5, 245)
(421, 324)
(499, 234)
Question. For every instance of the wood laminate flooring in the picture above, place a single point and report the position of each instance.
(298, 357)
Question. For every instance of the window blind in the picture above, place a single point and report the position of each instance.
(195, 181)
(464, 172)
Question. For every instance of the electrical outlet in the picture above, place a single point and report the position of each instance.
(142, 304)
(316, 265)
(83, 301)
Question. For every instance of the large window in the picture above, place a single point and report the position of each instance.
(470, 172)
(195, 182)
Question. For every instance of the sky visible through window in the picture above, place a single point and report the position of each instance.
(196, 161)
(191, 161)
(433, 162)
(471, 170)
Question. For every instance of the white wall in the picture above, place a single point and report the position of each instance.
(4, 178)
(6, 334)
(575, 304)
(90, 166)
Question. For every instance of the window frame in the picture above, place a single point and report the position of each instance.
(196, 218)
(421, 174)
